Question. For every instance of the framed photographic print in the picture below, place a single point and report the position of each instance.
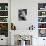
(22, 13)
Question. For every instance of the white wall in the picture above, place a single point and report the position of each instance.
(32, 9)
(31, 13)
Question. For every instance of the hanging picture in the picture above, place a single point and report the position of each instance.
(22, 13)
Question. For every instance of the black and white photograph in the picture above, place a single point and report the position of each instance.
(22, 13)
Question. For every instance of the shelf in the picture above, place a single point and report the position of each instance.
(42, 16)
(41, 28)
(41, 10)
(3, 22)
(3, 10)
(3, 16)
(41, 22)
(41, 19)
(4, 19)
